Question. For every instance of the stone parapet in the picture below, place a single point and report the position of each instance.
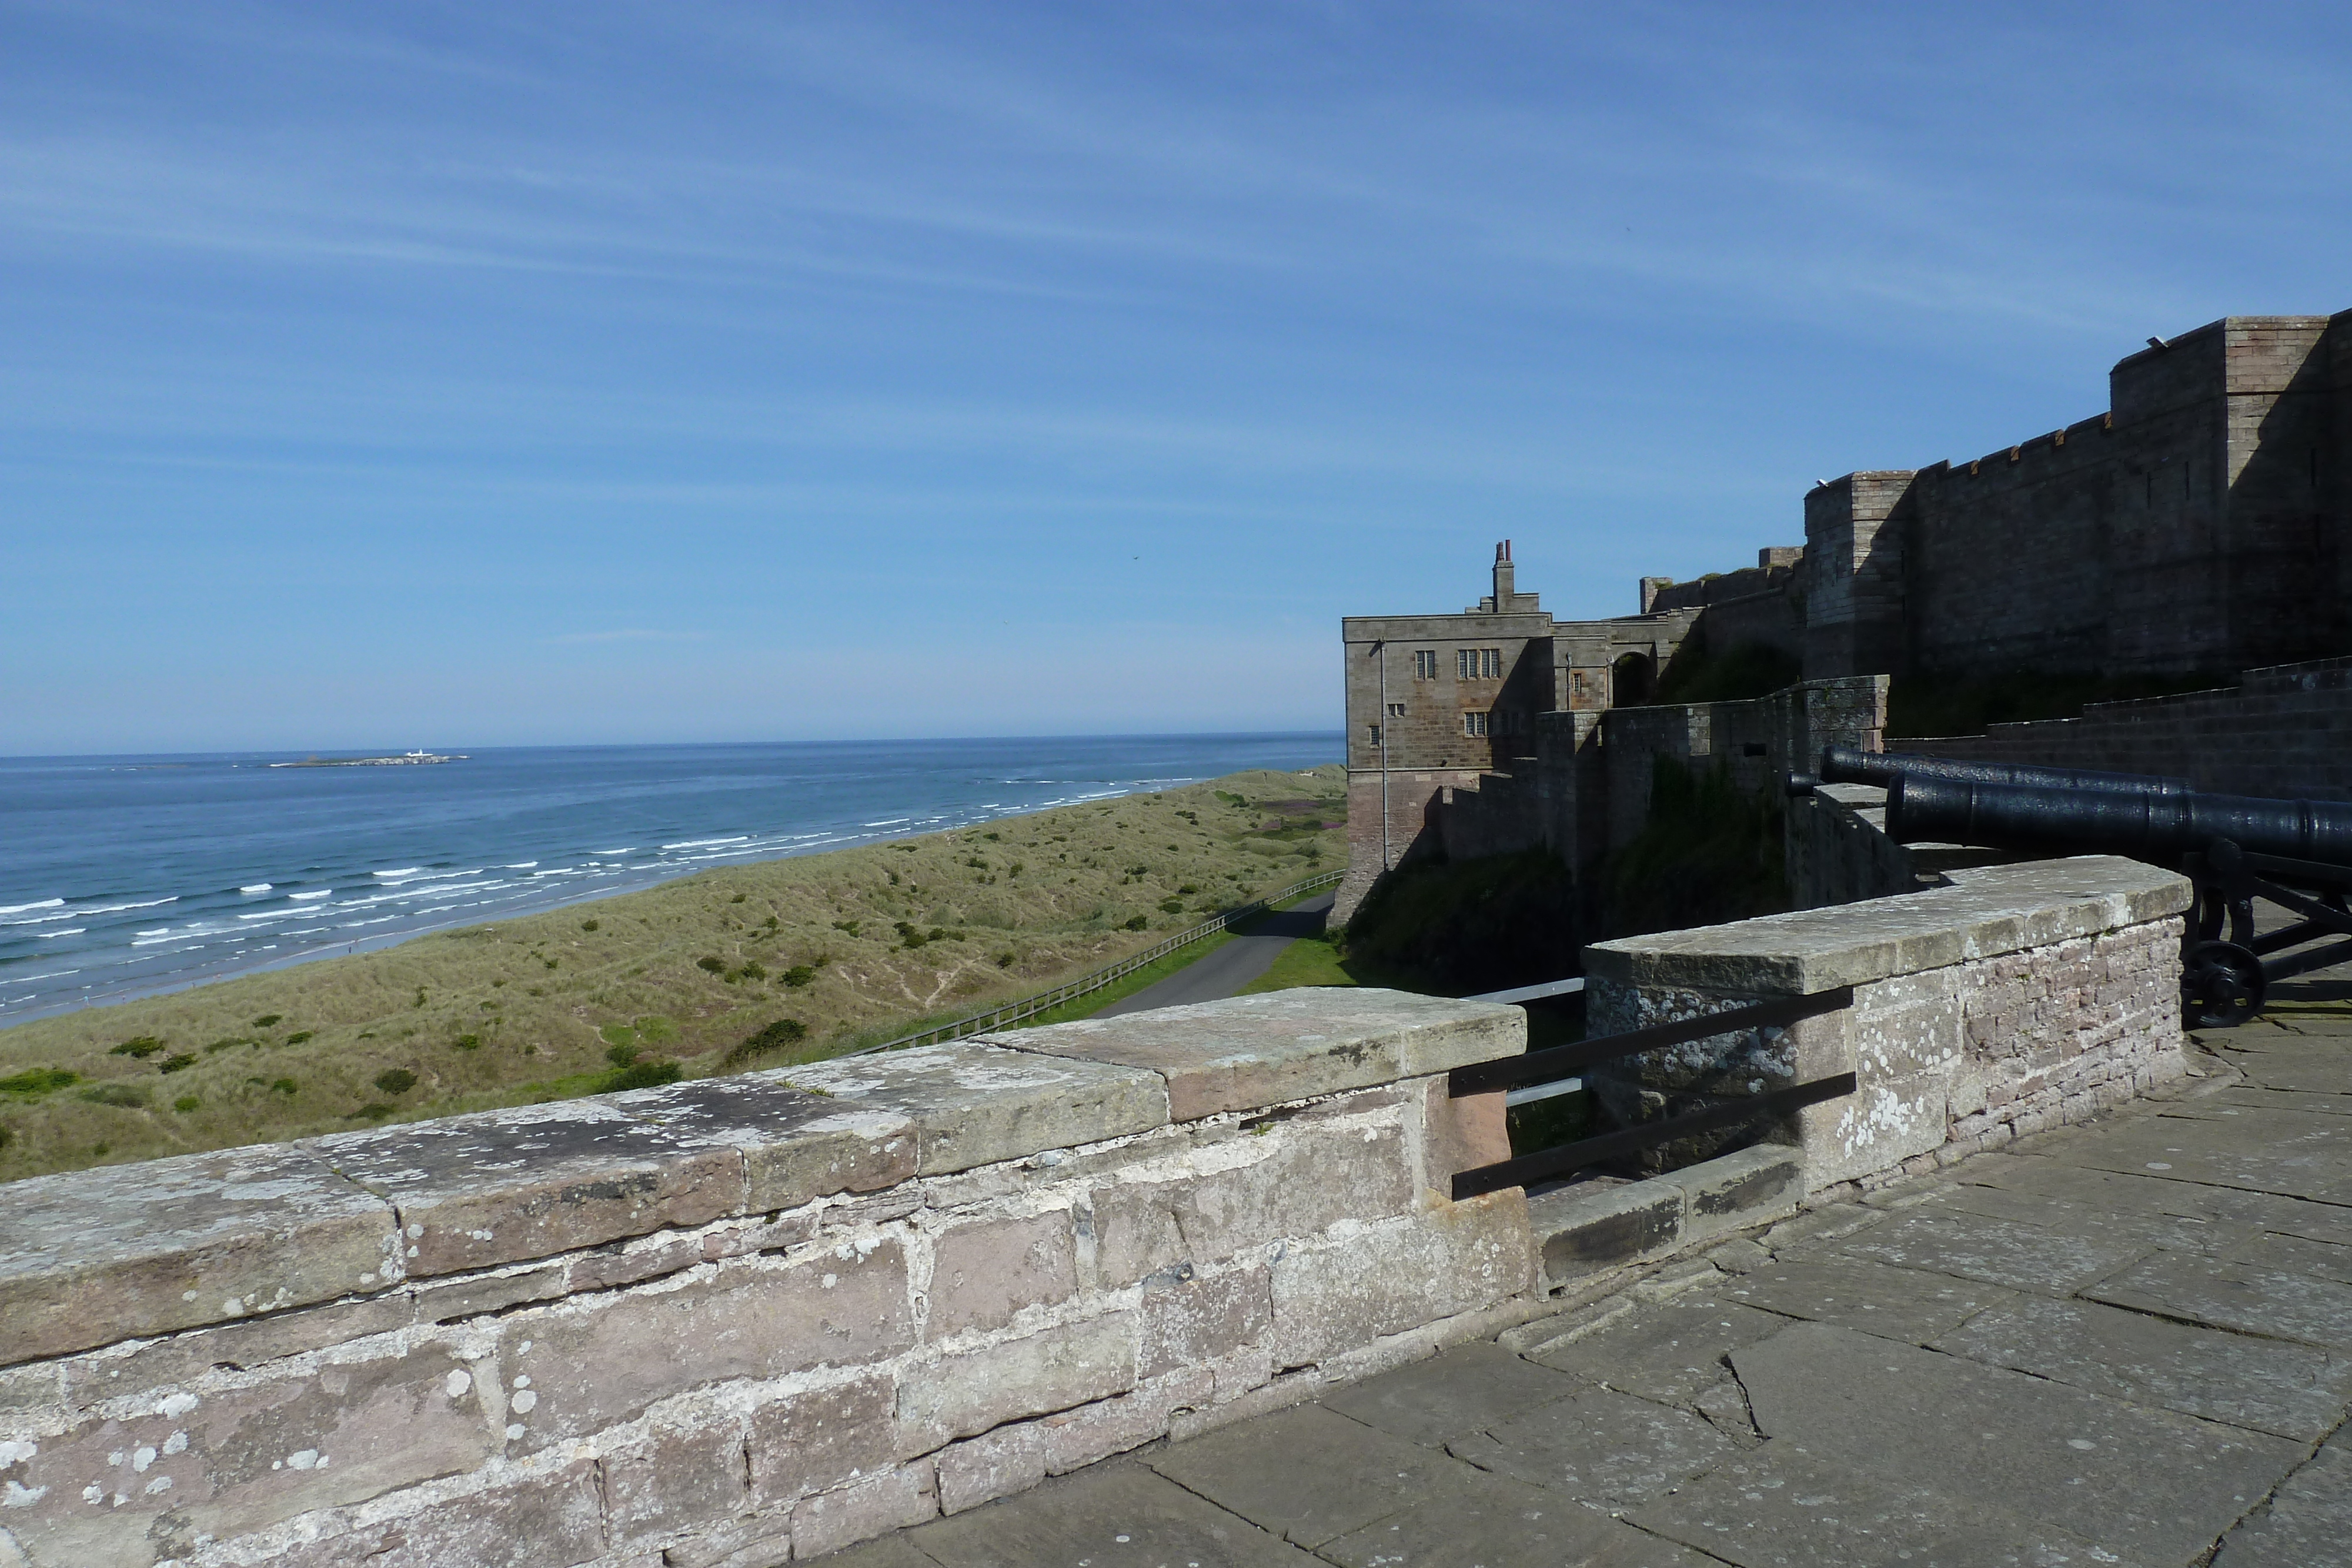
(2013, 998)
(739, 1320)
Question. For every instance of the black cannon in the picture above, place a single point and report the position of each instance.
(1845, 765)
(2234, 847)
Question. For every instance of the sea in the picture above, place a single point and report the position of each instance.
(124, 876)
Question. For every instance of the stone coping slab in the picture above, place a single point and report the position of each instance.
(1984, 913)
(975, 1105)
(90, 1257)
(1247, 1052)
(477, 1191)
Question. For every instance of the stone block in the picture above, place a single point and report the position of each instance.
(1731, 1192)
(985, 1272)
(129, 1369)
(865, 1508)
(546, 1519)
(1984, 912)
(88, 1257)
(1245, 1052)
(1094, 1432)
(480, 1295)
(1398, 1274)
(1908, 1304)
(1884, 1122)
(1579, 1231)
(229, 1462)
(1301, 1179)
(1458, 1135)
(824, 1437)
(595, 1361)
(677, 1476)
(796, 1145)
(474, 1192)
(1189, 1318)
(964, 1395)
(973, 1104)
(991, 1466)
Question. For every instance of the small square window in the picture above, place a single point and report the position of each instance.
(1424, 664)
(1396, 710)
(1476, 723)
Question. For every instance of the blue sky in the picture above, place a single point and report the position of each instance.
(398, 374)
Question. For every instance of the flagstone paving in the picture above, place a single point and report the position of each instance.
(2126, 1345)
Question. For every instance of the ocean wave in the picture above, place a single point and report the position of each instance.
(41, 919)
(625, 849)
(701, 843)
(520, 865)
(300, 897)
(69, 931)
(255, 887)
(44, 903)
(402, 870)
(158, 931)
(119, 908)
(888, 822)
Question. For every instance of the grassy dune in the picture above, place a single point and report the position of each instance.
(751, 965)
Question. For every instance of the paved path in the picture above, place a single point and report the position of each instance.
(1224, 971)
(2128, 1344)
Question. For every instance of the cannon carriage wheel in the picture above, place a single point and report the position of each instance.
(2221, 985)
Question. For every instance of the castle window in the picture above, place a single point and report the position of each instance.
(1376, 734)
(1474, 723)
(1424, 664)
(1478, 664)
(1576, 682)
(1396, 710)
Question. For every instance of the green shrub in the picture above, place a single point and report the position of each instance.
(216, 1046)
(284, 1086)
(848, 925)
(587, 926)
(395, 1081)
(370, 1112)
(737, 899)
(776, 1036)
(268, 1020)
(126, 1096)
(623, 1055)
(1171, 906)
(469, 1043)
(711, 964)
(1138, 923)
(799, 975)
(299, 1036)
(1005, 960)
(640, 1075)
(38, 1080)
(180, 1063)
(139, 1046)
(752, 969)
(186, 1104)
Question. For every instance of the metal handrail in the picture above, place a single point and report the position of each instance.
(1559, 1062)
(1024, 1008)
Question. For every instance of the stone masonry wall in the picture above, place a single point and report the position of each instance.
(740, 1320)
(2016, 998)
(2285, 732)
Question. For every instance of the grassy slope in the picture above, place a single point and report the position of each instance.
(1027, 902)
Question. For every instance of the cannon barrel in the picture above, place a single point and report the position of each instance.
(2145, 826)
(1844, 765)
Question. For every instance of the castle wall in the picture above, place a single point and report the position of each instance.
(2200, 524)
(2285, 732)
